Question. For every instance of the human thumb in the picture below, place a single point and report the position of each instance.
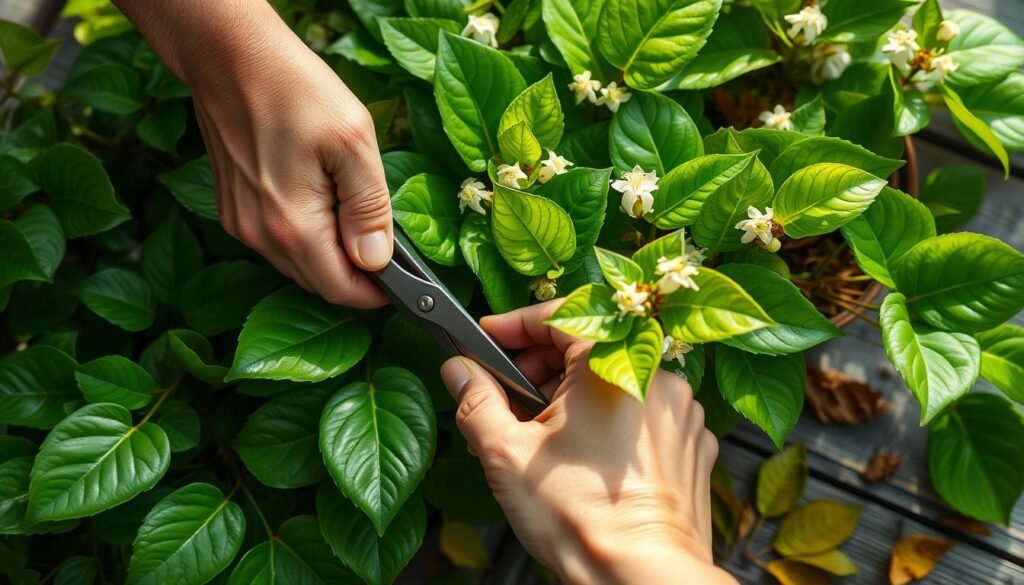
(483, 408)
(365, 210)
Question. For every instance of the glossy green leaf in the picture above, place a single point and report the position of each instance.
(962, 282)
(180, 423)
(293, 335)
(999, 105)
(651, 42)
(926, 22)
(618, 270)
(413, 42)
(295, 555)
(573, 28)
(113, 88)
(93, 460)
(590, 313)
(975, 128)
(376, 559)
(192, 185)
(1002, 359)
(80, 191)
(194, 354)
(768, 143)
(379, 470)
(876, 245)
(668, 246)
(121, 297)
(910, 110)
(20, 262)
(518, 144)
(171, 255)
(426, 207)
(781, 481)
(504, 288)
(864, 21)
(682, 193)
(652, 131)
(810, 118)
(278, 443)
(188, 538)
(15, 469)
(816, 527)
(16, 181)
(77, 571)
(630, 363)
(953, 194)
(577, 145)
(45, 237)
(37, 386)
(539, 108)
(164, 126)
(448, 9)
(720, 309)
(767, 390)
(218, 298)
(583, 194)
(715, 228)
(532, 233)
(985, 49)
(115, 379)
(474, 84)
(938, 367)
(738, 44)
(428, 134)
(400, 166)
(822, 197)
(24, 51)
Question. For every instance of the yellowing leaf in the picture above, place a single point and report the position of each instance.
(790, 572)
(915, 556)
(461, 544)
(781, 480)
(815, 528)
(833, 561)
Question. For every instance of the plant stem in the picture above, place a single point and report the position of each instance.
(259, 511)
(863, 305)
(752, 537)
(849, 308)
(165, 393)
(824, 264)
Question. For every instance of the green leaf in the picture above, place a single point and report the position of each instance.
(171, 255)
(16, 181)
(294, 335)
(376, 559)
(93, 460)
(218, 298)
(360, 47)
(113, 88)
(650, 43)
(767, 390)
(962, 282)
(181, 424)
(37, 387)
(985, 49)
(810, 118)
(77, 571)
(738, 44)
(652, 131)
(413, 42)
(426, 207)
(720, 309)
(953, 194)
(192, 185)
(577, 145)
(590, 313)
(781, 481)
(20, 262)
(188, 538)
(618, 270)
(504, 288)
(400, 166)
(865, 21)
(974, 128)
(834, 562)
(164, 126)
(768, 143)
(822, 197)
(876, 245)
(194, 354)
(456, 485)
(974, 456)
(428, 135)
(518, 144)
(583, 194)
(447, 9)
(121, 297)
(999, 105)
(80, 191)
(25, 53)
(539, 108)
(532, 233)
(630, 363)
(295, 555)
(573, 28)
(473, 84)
(938, 367)
(14, 478)
(800, 325)
(379, 470)
(115, 379)
(45, 237)
(816, 527)
(682, 193)
(1002, 359)
(668, 246)
(278, 443)
(909, 108)
(715, 228)
(926, 22)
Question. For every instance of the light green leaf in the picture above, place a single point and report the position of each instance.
(361, 47)
(630, 363)
(767, 390)
(810, 118)
(590, 313)
(16, 181)
(816, 527)
(822, 197)
(164, 126)
(583, 194)
(618, 270)
(652, 131)
(293, 335)
(876, 245)
(400, 166)
(379, 470)
(999, 105)
(1002, 359)
(218, 298)
(121, 297)
(985, 49)
(715, 228)
(781, 481)
(738, 44)
(909, 108)
(974, 128)
(539, 108)
(682, 193)
(926, 22)
(93, 460)
(938, 367)
(974, 455)
(188, 538)
(115, 379)
(650, 43)
(473, 84)
(192, 185)
(181, 424)
(532, 233)
(448, 9)
(295, 555)
(426, 207)
(668, 246)
(518, 144)
(194, 354)
(822, 149)
(720, 309)
(113, 88)
(413, 42)
(504, 288)
(171, 255)
(864, 21)
(573, 28)
(962, 282)
(80, 191)
(768, 143)
(25, 53)
(37, 387)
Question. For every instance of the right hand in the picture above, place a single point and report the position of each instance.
(599, 487)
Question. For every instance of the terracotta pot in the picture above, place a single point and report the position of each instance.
(906, 180)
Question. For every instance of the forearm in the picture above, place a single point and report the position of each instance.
(626, 564)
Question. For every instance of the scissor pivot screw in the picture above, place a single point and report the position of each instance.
(425, 303)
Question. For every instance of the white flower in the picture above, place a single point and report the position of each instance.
(675, 273)
(510, 175)
(941, 67)
(948, 30)
(901, 48)
(631, 300)
(828, 61)
(778, 118)
(809, 21)
(584, 87)
(472, 194)
(554, 165)
(674, 349)
(758, 226)
(612, 96)
(544, 289)
(694, 255)
(483, 29)
(636, 187)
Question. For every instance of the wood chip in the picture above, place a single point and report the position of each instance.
(881, 467)
(837, 398)
(966, 525)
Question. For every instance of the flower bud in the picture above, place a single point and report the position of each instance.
(773, 246)
(948, 30)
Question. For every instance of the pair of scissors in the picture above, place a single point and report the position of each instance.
(417, 292)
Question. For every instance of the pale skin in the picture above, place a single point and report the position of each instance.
(599, 487)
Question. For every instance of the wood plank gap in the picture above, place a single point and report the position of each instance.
(958, 146)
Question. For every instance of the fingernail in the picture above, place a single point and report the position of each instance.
(456, 374)
(372, 250)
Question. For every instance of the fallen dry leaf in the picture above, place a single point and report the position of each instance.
(836, 397)
(966, 525)
(881, 467)
(746, 521)
(790, 572)
(461, 544)
(915, 556)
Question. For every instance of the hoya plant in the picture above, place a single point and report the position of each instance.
(711, 188)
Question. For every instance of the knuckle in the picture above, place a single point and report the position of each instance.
(249, 235)
(470, 405)
(709, 443)
(283, 233)
(698, 414)
(370, 203)
(355, 133)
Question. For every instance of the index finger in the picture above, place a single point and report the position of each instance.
(525, 327)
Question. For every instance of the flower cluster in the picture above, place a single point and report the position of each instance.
(907, 55)
(632, 299)
(587, 89)
(761, 227)
(807, 25)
